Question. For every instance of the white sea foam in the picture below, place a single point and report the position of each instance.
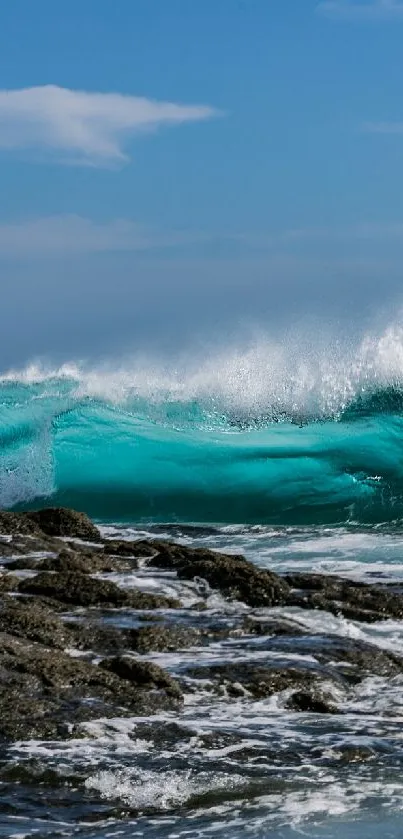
(145, 789)
(299, 375)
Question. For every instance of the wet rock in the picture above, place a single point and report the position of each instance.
(313, 582)
(164, 735)
(33, 621)
(233, 576)
(238, 579)
(132, 549)
(143, 600)
(76, 588)
(271, 626)
(23, 716)
(142, 674)
(97, 637)
(28, 547)
(6, 549)
(355, 754)
(61, 521)
(11, 523)
(363, 659)
(47, 602)
(46, 693)
(353, 600)
(23, 563)
(161, 638)
(310, 702)
(264, 680)
(171, 556)
(85, 563)
(82, 590)
(8, 582)
(350, 658)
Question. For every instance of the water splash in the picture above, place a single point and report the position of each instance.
(275, 432)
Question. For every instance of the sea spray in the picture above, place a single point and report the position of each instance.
(269, 433)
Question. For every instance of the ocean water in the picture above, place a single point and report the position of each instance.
(293, 457)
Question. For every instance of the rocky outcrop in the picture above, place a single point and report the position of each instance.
(261, 681)
(353, 600)
(82, 590)
(162, 638)
(56, 622)
(47, 693)
(233, 576)
(142, 674)
(61, 521)
(85, 562)
(34, 622)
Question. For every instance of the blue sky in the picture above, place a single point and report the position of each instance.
(178, 168)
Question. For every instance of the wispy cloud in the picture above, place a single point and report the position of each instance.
(73, 234)
(294, 239)
(82, 127)
(365, 10)
(383, 127)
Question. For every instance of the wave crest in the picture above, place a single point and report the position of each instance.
(276, 432)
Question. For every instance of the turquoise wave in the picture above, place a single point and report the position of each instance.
(207, 459)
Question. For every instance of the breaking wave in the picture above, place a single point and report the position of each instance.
(266, 434)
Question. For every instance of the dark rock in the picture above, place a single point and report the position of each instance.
(363, 659)
(161, 638)
(234, 576)
(83, 590)
(313, 582)
(84, 563)
(142, 674)
(7, 549)
(23, 563)
(33, 621)
(24, 547)
(76, 588)
(46, 693)
(264, 680)
(105, 640)
(271, 626)
(8, 582)
(310, 702)
(47, 602)
(144, 600)
(345, 658)
(132, 549)
(238, 579)
(350, 658)
(164, 735)
(11, 523)
(61, 521)
(355, 754)
(171, 556)
(353, 600)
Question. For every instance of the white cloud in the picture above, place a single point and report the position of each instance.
(73, 234)
(82, 127)
(364, 10)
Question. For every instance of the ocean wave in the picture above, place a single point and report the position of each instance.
(271, 433)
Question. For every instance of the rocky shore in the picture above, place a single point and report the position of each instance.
(68, 655)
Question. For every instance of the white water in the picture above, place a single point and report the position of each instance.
(238, 767)
(305, 373)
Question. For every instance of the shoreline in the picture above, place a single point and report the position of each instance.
(68, 659)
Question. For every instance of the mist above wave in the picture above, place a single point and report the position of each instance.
(301, 376)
